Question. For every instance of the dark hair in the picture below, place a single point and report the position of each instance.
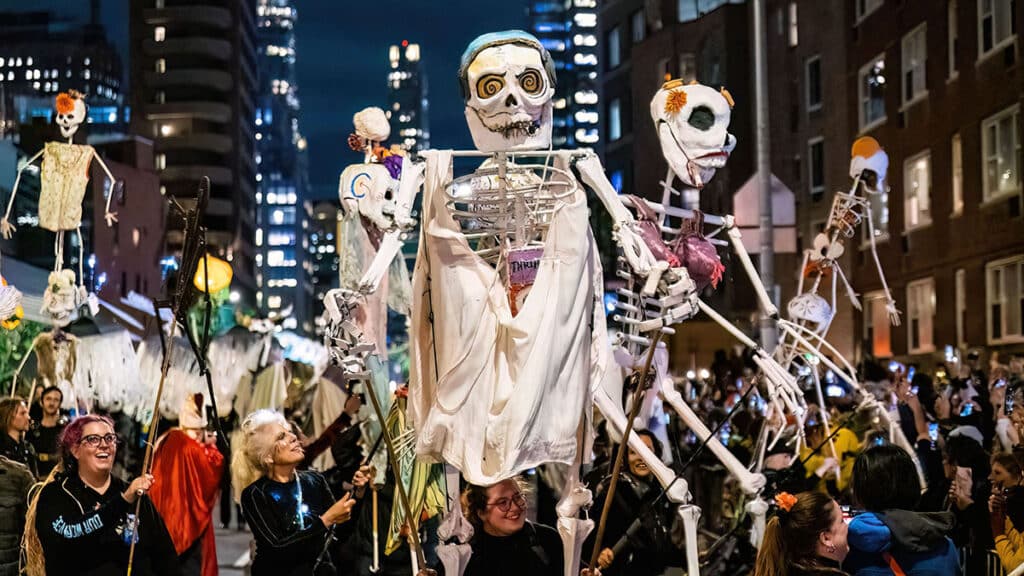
(72, 435)
(49, 389)
(964, 451)
(790, 537)
(884, 477)
(1010, 463)
(655, 443)
(474, 501)
(8, 408)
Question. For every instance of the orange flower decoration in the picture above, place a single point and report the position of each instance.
(675, 101)
(728, 97)
(65, 103)
(785, 500)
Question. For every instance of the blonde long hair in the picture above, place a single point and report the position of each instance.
(251, 449)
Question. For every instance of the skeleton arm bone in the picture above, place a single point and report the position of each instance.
(736, 238)
(633, 247)
(408, 187)
(894, 314)
(109, 216)
(6, 229)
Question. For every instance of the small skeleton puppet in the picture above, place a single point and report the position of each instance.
(508, 261)
(810, 314)
(365, 191)
(64, 179)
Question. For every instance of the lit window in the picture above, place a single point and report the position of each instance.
(871, 89)
(879, 217)
(161, 65)
(614, 41)
(996, 20)
(637, 27)
(1000, 140)
(1004, 282)
(794, 27)
(274, 302)
(159, 33)
(161, 161)
(877, 331)
(958, 175)
(915, 57)
(917, 191)
(614, 120)
(920, 316)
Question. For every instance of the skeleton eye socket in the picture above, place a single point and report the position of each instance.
(702, 118)
(489, 85)
(532, 82)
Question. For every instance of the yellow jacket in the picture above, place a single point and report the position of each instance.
(847, 446)
(1010, 547)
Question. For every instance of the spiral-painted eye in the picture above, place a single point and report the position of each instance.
(488, 86)
(532, 82)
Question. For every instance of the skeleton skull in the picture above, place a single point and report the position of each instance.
(70, 112)
(508, 81)
(812, 309)
(372, 124)
(693, 128)
(363, 188)
(869, 162)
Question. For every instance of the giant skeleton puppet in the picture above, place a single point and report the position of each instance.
(692, 122)
(64, 179)
(811, 315)
(507, 264)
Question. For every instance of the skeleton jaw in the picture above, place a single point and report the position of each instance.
(509, 131)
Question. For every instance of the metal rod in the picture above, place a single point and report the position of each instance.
(621, 450)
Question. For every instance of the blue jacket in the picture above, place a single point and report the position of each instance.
(918, 542)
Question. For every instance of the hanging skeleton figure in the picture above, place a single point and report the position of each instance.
(63, 185)
(692, 123)
(508, 261)
(811, 315)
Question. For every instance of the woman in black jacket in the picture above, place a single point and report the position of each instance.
(83, 520)
(292, 513)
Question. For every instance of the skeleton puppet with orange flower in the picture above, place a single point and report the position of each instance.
(63, 182)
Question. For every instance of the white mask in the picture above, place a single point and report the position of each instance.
(363, 188)
(508, 98)
(693, 127)
(70, 113)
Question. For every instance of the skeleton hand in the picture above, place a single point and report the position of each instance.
(110, 217)
(894, 313)
(344, 339)
(7, 229)
(636, 252)
(677, 296)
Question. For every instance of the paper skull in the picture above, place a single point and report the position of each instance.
(508, 80)
(372, 124)
(812, 309)
(693, 127)
(870, 162)
(363, 189)
(70, 112)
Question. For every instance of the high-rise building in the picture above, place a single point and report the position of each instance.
(193, 77)
(284, 271)
(323, 251)
(408, 104)
(42, 55)
(569, 31)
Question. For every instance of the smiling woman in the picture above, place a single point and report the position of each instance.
(292, 513)
(83, 519)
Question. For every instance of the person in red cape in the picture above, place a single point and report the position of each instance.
(188, 468)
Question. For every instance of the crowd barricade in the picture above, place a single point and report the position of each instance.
(993, 565)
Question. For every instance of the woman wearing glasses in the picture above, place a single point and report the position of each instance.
(83, 519)
(504, 541)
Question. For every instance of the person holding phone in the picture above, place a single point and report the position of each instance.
(967, 468)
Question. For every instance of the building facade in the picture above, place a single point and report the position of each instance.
(569, 31)
(324, 238)
(408, 106)
(43, 55)
(193, 77)
(284, 271)
(939, 85)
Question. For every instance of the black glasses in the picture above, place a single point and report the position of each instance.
(96, 439)
(505, 504)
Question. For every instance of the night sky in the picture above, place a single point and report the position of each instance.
(342, 62)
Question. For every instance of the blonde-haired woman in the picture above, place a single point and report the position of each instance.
(291, 512)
